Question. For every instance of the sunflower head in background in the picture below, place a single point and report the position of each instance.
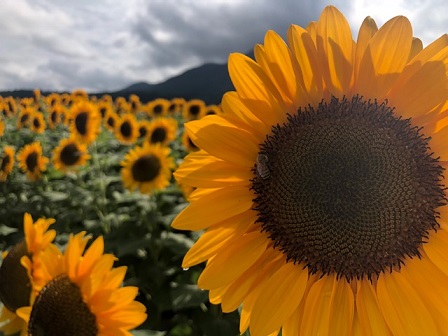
(70, 154)
(126, 129)
(24, 117)
(162, 131)
(7, 161)
(37, 123)
(147, 168)
(16, 286)
(322, 185)
(84, 121)
(157, 108)
(80, 293)
(31, 160)
(193, 109)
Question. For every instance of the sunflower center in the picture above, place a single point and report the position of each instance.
(347, 188)
(146, 168)
(111, 121)
(157, 109)
(142, 131)
(158, 135)
(36, 123)
(31, 161)
(70, 154)
(15, 287)
(24, 118)
(59, 309)
(194, 110)
(126, 129)
(54, 116)
(81, 123)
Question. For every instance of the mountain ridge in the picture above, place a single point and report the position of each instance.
(207, 82)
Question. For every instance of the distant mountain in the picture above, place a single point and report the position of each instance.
(207, 82)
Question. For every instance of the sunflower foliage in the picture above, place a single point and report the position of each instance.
(92, 196)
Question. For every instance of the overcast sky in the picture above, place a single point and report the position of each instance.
(105, 45)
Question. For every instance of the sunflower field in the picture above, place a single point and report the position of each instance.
(74, 166)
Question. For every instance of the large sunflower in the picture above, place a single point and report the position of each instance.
(79, 293)
(321, 185)
(6, 162)
(70, 154)
(147, 168)
(85, 121)
(15, 280)
(31, 160)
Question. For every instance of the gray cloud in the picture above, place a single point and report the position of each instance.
(108, 44)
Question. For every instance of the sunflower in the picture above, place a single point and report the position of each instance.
(79, 94)
(69, 154)
(104, 107)
(56, 114)
(37, 123)
(126, 129)
(135, 103)
(24, 117)
(31, 160)
(143, 126)
(79, 293)
(6, 162)
(15, 281)
(157, 107)
(321, 186)
(162, 130)
(193, 109)
(176, 106)
(147, 168)
(111, 120)
(85, 121)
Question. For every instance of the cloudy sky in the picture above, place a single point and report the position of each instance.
(105, 45)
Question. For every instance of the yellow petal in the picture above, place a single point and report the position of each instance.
(402, 308)
(335, 47)
(256, 89)
(227, 143)
(384, 58)
(238, 113)
(211, 172)
(371, 320)
(342, 308)
(366, 31)
(417, 46)
(309, 72)
(216, 237)
(423, 274)
(437, 249)
(233, 261)
(284, 291)
(218, 206)
(317, 309)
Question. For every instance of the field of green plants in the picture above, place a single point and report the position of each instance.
(80, 160)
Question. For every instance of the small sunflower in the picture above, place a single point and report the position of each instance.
(193, 109)
(2, 128)
(79, 293)
(147, 168)
(79, 94)
(24, 117)
(104, 108)
(111, 120)
(37, 123)
(126, 129)
(162, 131)
(143, 126)
(6, 162)
(15, 280)
(157, 107)
(323, 186)
(31, 160)
(56, 114)
(85, 121)
(53, 99)
(176, 106)
(135, 103)
(70, 154)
